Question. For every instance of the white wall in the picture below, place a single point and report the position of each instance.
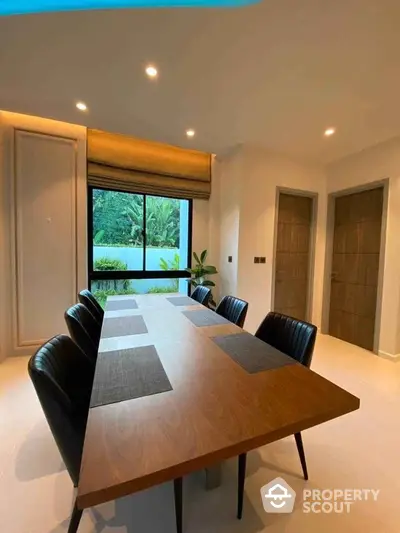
(371, 165)
(43, 228)
(205, 231)
(200, 229)
(214, 237)
(249, 181)
(229, 177)
(264, 173)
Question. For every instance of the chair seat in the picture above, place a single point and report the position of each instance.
(88, 299)
(233, 309)
(84, 330)
(202, 295)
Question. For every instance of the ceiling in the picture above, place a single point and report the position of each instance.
(276, 74)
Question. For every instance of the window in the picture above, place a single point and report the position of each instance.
(137, 243)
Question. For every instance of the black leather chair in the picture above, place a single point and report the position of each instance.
(295, 338)
(202, 295)
(84, 330)
(233, 309)
(291, 336)
(63, 376)
(86, 298)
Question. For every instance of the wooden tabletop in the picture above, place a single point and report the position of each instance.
(214, 411)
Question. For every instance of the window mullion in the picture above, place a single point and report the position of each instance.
(144, 231)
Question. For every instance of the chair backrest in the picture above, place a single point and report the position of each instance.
(84, 329)
(233, 309)
(202, 295)
(86, 298)
(63, 377)
(291, 336)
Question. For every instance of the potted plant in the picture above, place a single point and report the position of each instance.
(200, 271)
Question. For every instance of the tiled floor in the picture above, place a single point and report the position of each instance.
(360, 450)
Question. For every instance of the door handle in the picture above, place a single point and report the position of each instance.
(334, 275)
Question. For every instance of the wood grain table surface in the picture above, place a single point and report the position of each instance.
(215, 410)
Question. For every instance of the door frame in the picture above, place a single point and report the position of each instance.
(330, 226)
(313, 240)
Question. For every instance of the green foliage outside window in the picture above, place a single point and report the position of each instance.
(118, 220)
(105, 263)
(110, 287)
(164, 290)
(102, 295)
(109, 225)
(172, 264)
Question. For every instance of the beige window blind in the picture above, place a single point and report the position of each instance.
(135, 165)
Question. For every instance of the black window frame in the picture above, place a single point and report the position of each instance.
(94, 275)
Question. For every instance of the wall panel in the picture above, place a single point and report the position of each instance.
(43, 180)
(45, 234)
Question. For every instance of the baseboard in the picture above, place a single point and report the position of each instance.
(390, 357)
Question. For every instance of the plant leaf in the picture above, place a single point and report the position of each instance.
(208, 283)
(163, 264)
(196, 257)
(98, 237)
(203, 255)
(210, 269)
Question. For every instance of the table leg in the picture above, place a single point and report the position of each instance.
(213, 477)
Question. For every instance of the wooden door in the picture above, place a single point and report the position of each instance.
(292, 264)
(355, 267)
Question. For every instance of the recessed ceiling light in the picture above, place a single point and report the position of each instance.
(329, 132)
(190, 133)
(151, 71)
(81, 106)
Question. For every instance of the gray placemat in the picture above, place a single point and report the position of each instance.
(205, 317)
(182, 300)
(123, 325)
(252, 354)
(119, 305)
(127, 374)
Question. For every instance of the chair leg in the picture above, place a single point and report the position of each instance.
(241, 478)
(75, 519)
(178, 504)
(300, 449)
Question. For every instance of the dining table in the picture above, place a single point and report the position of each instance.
(178, 388)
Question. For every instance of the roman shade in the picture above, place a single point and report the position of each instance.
(136, 165)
